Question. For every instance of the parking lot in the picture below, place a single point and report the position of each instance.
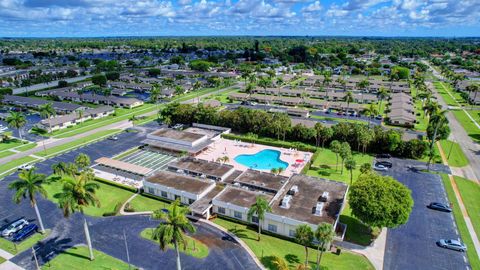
(413, 245)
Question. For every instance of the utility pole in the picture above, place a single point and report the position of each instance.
(35, 257)
(126, 248)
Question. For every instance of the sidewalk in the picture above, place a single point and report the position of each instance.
(458, 196)
(8, 265)
(375, 253)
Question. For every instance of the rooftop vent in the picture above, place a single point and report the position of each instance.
(319, 209)
(323, 197)
(286, 202)
(293, 190)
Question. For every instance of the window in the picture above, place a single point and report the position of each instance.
(237, 214)
(272, 228)
(190, 201)
(221, 210)
(177, 197)
(151, 190)
(291, 233)
(164, 194)
(255, 219)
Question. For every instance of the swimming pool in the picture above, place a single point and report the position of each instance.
(264, 160)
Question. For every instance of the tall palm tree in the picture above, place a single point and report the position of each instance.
(348, 98)
(47, 111)
(77, 193)
(82, 161)
(280, 263)
(350, 165)
(154, 95)
(16, 120)
(304, 236)
(28, 184)
(259, 208)
(60, 168)
(80, 115)
(173, 228)
(324, 235)
(197, 85)
(382, 94)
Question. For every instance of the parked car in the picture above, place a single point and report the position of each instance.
(452, 244)
(25, 232)
(380, 168)
(440, 207)
(378, 117)
(383, 156)
(25, 167)
(387, 164)
(113, 138)
(14, 227)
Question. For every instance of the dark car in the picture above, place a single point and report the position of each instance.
(440, 207)
(25, 232)
(387, 164)
(384, 156)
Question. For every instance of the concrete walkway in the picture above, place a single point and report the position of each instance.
(375, 253)
(122, 209)
(8, 265)
(458, 196)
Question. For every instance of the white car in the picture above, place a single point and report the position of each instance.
(25, 167)
(14, 227)
(379, 167)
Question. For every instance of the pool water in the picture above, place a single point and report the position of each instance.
(264, 160)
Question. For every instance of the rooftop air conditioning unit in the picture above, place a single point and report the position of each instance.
(324, 197)
(319, 209)
(286, 202)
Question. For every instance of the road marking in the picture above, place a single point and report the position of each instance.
(465, 259)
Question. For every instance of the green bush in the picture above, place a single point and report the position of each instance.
(111, 183)
(272, 142)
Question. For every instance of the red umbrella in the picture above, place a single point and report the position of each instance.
(299, 160)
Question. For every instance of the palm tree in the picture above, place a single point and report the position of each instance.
(47, 111)
(280, 170)
(336, 146)
(173, 228)
(132, 119)
(60, 168)
(304, 236)
(382, 94)
(259, 208)
(473, 88)
(16, 120)
(154, 95)
(350, 165)
(28, 185)
(274, 171)
(82, 161)
(80, 115)
(77, 193)
(324, 234)
(348, 98)
(197, 85)
(279, 263)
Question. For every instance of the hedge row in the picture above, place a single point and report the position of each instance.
(272, 142)
(115, 184)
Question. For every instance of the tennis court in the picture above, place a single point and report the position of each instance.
(153, 160)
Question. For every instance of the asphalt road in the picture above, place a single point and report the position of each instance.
(32, 119)
(413, 245)
(107, 233)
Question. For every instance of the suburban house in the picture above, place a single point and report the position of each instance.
(36, 103)
(74, 118)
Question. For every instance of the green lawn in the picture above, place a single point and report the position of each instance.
(142, 203)
(442, 90)
(24, 245)
(222, 97)
(77, 143)
(120, 115)
(15, 163)
(357, 232)
(338, 119)
(294, 254)
(470, 192)
(193, 248)
(6, 153)
(472, 130)
(324, 166)
(422, 120)
(26, 147)
(77, 258)
(461, 225)
(457, 157)
(10, 144)
(109, 196)
(2, 260)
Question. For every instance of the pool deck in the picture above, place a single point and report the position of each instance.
(231, 149)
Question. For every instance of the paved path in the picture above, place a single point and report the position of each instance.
(459, 135)
(40, 86)
(375, 253)
(465, 215)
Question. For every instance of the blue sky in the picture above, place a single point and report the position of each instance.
(91, 18)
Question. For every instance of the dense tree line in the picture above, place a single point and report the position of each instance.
(278, 125)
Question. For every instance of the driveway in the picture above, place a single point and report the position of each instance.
(413, 245)
(107, 233)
